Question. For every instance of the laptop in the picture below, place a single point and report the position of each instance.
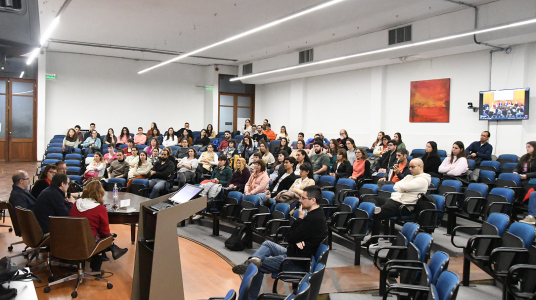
(185, 194)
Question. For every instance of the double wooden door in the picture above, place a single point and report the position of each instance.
(18, 119)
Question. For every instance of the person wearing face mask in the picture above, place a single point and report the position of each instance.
(388, 158)
(162, 171)
(19, 194)
(119, 168)
(342, 140)
(319, 161)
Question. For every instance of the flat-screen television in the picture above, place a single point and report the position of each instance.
(504, 105)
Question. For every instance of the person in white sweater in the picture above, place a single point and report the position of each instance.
(456, 164)
(406, 192)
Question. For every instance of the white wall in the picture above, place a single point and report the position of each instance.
(368, 100)
(110, 93)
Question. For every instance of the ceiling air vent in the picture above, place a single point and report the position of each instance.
(10, 5)
(247, 69)
(306, 56)
(400, 35)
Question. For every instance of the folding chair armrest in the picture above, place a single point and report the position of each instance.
(446, 195)
(453, 234)
(513, 270)
(405, 288)
(402, 262)
(475, 238)
(271, 296)
(468, 200)
(353, 220)
(517, 253)
(377, 253)
(499, 204)
(407, 208)
(327, 187)
(293, 259)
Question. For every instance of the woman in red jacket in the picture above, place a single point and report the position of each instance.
(91, 206)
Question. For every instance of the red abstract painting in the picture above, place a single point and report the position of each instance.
(430, 101)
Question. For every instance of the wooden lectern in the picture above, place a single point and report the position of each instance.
(157, 269)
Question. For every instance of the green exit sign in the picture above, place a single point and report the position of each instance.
(209, 88)
(50, 76)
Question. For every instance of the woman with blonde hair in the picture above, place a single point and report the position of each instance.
(240, 176)
(265, 152)
(91, 206)
(208, 159)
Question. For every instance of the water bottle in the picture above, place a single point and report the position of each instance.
(115, 194)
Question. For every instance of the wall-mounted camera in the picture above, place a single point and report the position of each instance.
(470, 106)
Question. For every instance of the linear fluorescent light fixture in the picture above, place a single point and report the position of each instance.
(442, 39)
(243, 34)
(21, 74)
(33, 55)
(44, 39)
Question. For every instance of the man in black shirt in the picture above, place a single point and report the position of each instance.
(187, 128)
(52, 201)
(304, 237)
(161, 172)
(259, 135)
(88, 134)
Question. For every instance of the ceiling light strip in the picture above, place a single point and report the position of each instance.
(442, 39)
(21, 74)
(241, 35)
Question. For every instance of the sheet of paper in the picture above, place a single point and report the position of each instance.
(124, 203)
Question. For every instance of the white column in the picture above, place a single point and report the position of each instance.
(41, 107)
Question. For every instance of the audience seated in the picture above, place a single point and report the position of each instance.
(185, 136)
(350, 153)
(341, 168)
(92, 143)
(91, 129)
(182, 152)
(225, 141)
(110, 156)
(140, 138)
(398, 139)
(283, 133)
(187, 167)
(248, 127)
(526, 167)
(140, 169)
(208, 159)
(431, 159)
(283, 147)
(96, 167)
(341, 142)
(187, 128)
(300, 145)
(332, 150)
(305, 180)
(361, 167)
(259, 135)
(124, 136)
(231, 150)
(119, 168)
(301, 137)
(480, 150)
(381, 148)
(246, 148)
(258, 181)
(399, 170)
(301, 158)
(19, 194)
(406, 192)
(283, 181)
(203, 139)
(278, 168)
(110, 138)
(170, 139)
(156, 135)
(240, 176)
(153, 144)
(320, 136)
(304, 237)
(379, 140)
(222, 173)
(134, 158)
(457, 163)
(130, 146)
(70, 141)
(265, 152)
(253, 159)
(79, 134)
(161, 172)
(319, 160)
(155, 156)
(150, 131)
(388, 158)
(44, 180)
(53, 202)
(270, 134)
(91, 206)
(210, 132)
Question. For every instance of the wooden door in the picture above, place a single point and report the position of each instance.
(234, 109)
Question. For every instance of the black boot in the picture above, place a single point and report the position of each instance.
(117, 252)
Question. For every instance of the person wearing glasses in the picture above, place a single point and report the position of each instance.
(304, 237)
(406, 192)
(44, 180)
(19, 194)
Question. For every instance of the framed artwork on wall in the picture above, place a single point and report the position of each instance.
(430, 101)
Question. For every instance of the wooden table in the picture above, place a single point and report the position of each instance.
(120, 216)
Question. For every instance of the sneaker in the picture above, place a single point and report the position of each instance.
(529, 220)
(197, 217)
(369, 244)
(377, 210)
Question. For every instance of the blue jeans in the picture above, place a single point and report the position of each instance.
(316, 177)
(532, 205)
(271, 255)
(156, 185)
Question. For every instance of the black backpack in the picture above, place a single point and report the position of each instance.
(238, 240)
(425, 202)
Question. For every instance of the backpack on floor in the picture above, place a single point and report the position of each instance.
(238, 239)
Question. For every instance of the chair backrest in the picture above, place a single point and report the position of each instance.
(231, 295)
(515, 178)
(76, 178)
(500, 221)
(449, 186)
(328, 178)
(274, 145)
(508, 167)
(71, 238)
(282, 208)
(423, 242)
(73, 156)
(388, 188)
(440, 201)
(321, 255)
(507, 158)
(347, 182)
(447, 286)
(368, 208)
(487, 177)
(120, 182)
(507, 193)
(253, 199)
(303, 289)
(417, 152)
(29, 227)
(477, 190)
(13, 215)
(490, 165)
(409, 231)
(73, 170)
(54, 156)
(435, 182)
(251, 271)
(328, 195)
(472, 164)
(54, 150)
(369, 188)
(524, 231)
(49, 161)
(315, 280)
(442, 153)
(351, 202)
(438, 263)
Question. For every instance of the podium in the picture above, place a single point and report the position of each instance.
(157, 269)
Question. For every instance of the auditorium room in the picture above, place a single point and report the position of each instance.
(250, 149)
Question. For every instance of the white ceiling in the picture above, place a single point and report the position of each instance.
(182, 26)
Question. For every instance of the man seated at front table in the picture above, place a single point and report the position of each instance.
(53, 202)
(19, 194)
(304, 237)
(480, 150)
(162, 171)
(119, 168)
(406, 192)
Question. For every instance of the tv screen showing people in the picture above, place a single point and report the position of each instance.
(504, 105)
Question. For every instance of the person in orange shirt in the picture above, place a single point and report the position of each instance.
(399, 171)
(270, 134)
